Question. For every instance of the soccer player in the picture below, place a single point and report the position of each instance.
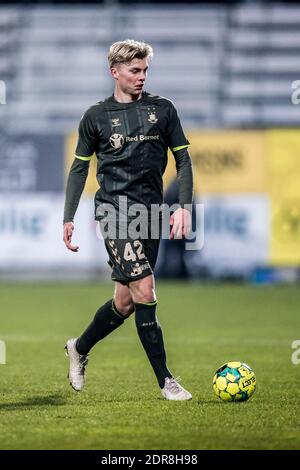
(130, 133)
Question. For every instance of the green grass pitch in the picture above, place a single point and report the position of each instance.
(121, 406)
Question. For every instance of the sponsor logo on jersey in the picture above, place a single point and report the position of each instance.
(141, 137)
(117, 141)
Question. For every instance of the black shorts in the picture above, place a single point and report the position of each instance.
(131, 258)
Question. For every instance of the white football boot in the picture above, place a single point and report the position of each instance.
(77, 363)
(174, 391)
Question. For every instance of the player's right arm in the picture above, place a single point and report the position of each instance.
(86, 146)
(75, 186)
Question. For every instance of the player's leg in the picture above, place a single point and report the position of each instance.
(148, 327)
(135, 259)
(150, 333)
(108, 317)
(123, 300)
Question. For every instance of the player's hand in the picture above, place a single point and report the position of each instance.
(181, 223)
(68, 231)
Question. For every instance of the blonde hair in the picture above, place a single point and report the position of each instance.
(123, 52)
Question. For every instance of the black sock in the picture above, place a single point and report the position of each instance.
(151, 337)
(106, 320)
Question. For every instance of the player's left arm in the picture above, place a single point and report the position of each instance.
(181, 220)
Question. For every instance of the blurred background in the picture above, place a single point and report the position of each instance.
(231, 69)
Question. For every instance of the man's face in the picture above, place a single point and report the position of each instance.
(131, 77)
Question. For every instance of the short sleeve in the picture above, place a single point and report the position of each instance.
(87, 141)
(175, 135)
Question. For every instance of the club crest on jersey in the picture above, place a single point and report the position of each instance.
(115, 122)
(116, 141)
(152, 116)
(138, 268)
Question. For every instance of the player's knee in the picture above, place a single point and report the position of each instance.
(143, 290)
(125, 307)
(128, 309)
(145, 295)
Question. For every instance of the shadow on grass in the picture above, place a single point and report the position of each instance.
(55, 400)
(220, 403)
(125, 399)
(211, 402)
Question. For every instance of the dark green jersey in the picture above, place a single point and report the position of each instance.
(131, 141)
